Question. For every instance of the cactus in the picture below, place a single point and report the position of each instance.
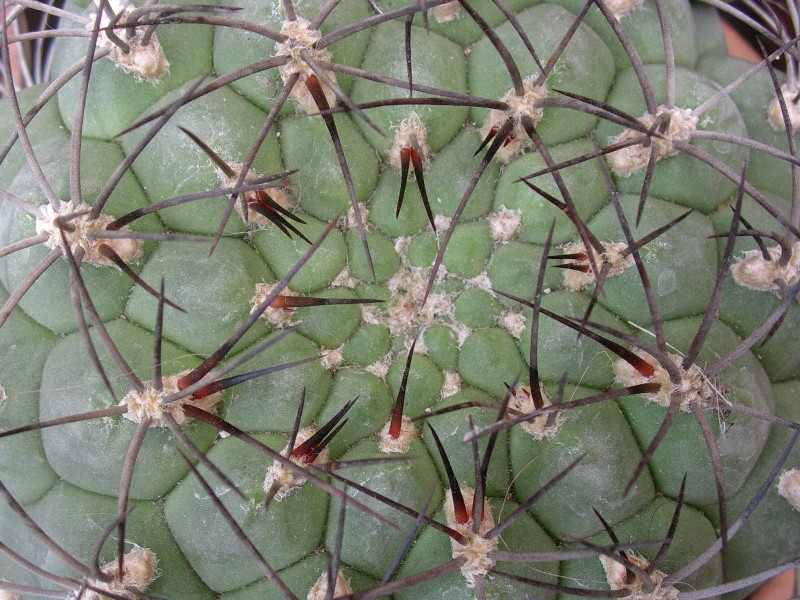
(398, 299)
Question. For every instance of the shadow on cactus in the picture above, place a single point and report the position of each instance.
(397, 299)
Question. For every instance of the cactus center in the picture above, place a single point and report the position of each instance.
(404, 313)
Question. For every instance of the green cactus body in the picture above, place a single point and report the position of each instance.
(461, 295)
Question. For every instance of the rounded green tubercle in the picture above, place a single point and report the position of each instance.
(412, 217)
(536, 212)
(436, 62)
(369, 413)
(441, 345)
(368, 345)
(586, 67)
(228, 124)
(321, 190)
(279, 536)
(27, 473)
(270, 403)
(281, 253)
(409, 482)
(477, 308)
(329, 326)
(453, 426)
(424, 385)
(384, 257)
(600, 434)
(451, 173)
(514, 267)
(468, 250)
(91, 457)
(422, 249)
(213, 313)
(492, 351)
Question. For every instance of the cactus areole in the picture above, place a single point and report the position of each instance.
(397, 299)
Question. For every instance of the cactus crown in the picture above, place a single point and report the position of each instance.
(411, 299)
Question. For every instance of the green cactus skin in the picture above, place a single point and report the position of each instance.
(460, 297)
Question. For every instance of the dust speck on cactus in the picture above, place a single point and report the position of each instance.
(316, 299)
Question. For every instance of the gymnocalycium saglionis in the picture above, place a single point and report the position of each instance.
(409, 299)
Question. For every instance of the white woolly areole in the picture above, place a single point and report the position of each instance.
(402, 313)
(452, 384)
(504, 224)
(280, 475)
(634, 158)
(518, 107)
(617, 577)
(332, 359)
(462, 332)
(578, 280)
(513, 321)
(477, 549)
(774, 114)
(380, 369)
(541, 427)
(363, 211)
(276, 316)
(319, 590)
(411, 133)
(621, 8)
(482, 281)
(442, 222)
(693, 390)
(127, 249)
(144, 62)
(402, 443)
(401, 245)
(449, 11)
(5, 595)
(301, 40)
(754, 272)
(3, 395)
(140, 569)
(149, 402)
(345, 279)
(789, 487)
